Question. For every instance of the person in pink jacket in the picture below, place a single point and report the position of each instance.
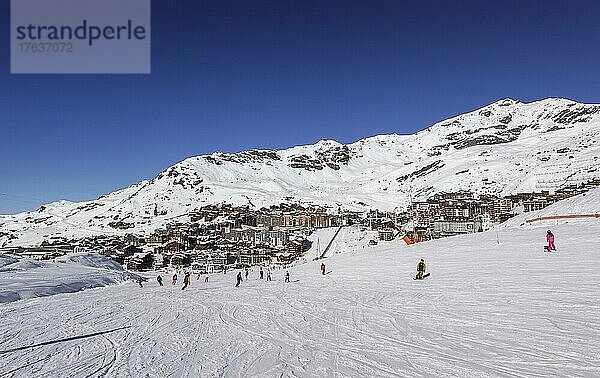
(550, 239)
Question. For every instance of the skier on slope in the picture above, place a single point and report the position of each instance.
(186, 281)
(246, 274)
(175, 279)
(421, 269)
(238, 279)
(139, 281)
(550, 240)
(159, 279)
(323, 268)
(287, 276)
(261, 273)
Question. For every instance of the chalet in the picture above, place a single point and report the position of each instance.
(181, 259)
(250, 258)
(134, 240)
(172, 246)
(269, 220)
(139, 261)
(131, 250)
(386, 234)
(297, 246)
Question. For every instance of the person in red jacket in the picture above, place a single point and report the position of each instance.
(323, 268)
(550, 240)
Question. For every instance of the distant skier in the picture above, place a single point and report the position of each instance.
(421, 267)
(186, 281)
(550, 239)
(139, 281)
(323, 268)
(269, 276)
(261, 273)
(197, 278)
(287, 276)
(159, 279)
(246, 274)
(238, 279)
(175, 279)
(206, 279)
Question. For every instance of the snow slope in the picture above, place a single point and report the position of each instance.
(583, 204)
(488, 309)
(503, 148)
(26, 278)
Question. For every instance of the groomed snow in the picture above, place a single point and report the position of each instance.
(495, 305)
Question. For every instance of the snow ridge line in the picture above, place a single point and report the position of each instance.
(553, 217)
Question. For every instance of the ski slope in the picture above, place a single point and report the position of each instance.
(488, 309)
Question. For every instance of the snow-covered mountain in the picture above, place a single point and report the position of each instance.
(503, 148)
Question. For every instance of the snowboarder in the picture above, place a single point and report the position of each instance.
(139, 281)
(261, 273)
(159, 279)
(239, 279)
(287, 276)
(421, 269)
(186, 281)
(550, 240)
(175, 279)
(323, 268)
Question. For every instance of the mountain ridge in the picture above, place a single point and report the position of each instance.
(503, 148)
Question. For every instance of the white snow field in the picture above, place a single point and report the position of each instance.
(488, 309)
(25, 278)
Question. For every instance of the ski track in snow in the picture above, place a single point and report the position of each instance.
(488, 309)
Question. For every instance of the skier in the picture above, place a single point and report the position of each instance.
(139, 281)
(186, 281)
(206, 279)
(323, 268)
(246, 274)
(175, 279)
(287, 276)
(239, 279)
(261, 273)
(550, 240)
(421, 269)
(269, 275)
(159, 279)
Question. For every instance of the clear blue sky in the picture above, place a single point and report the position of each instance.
(233, 75)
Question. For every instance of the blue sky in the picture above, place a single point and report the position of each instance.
(233, 75)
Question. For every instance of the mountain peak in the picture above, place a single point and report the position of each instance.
(503, 148)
